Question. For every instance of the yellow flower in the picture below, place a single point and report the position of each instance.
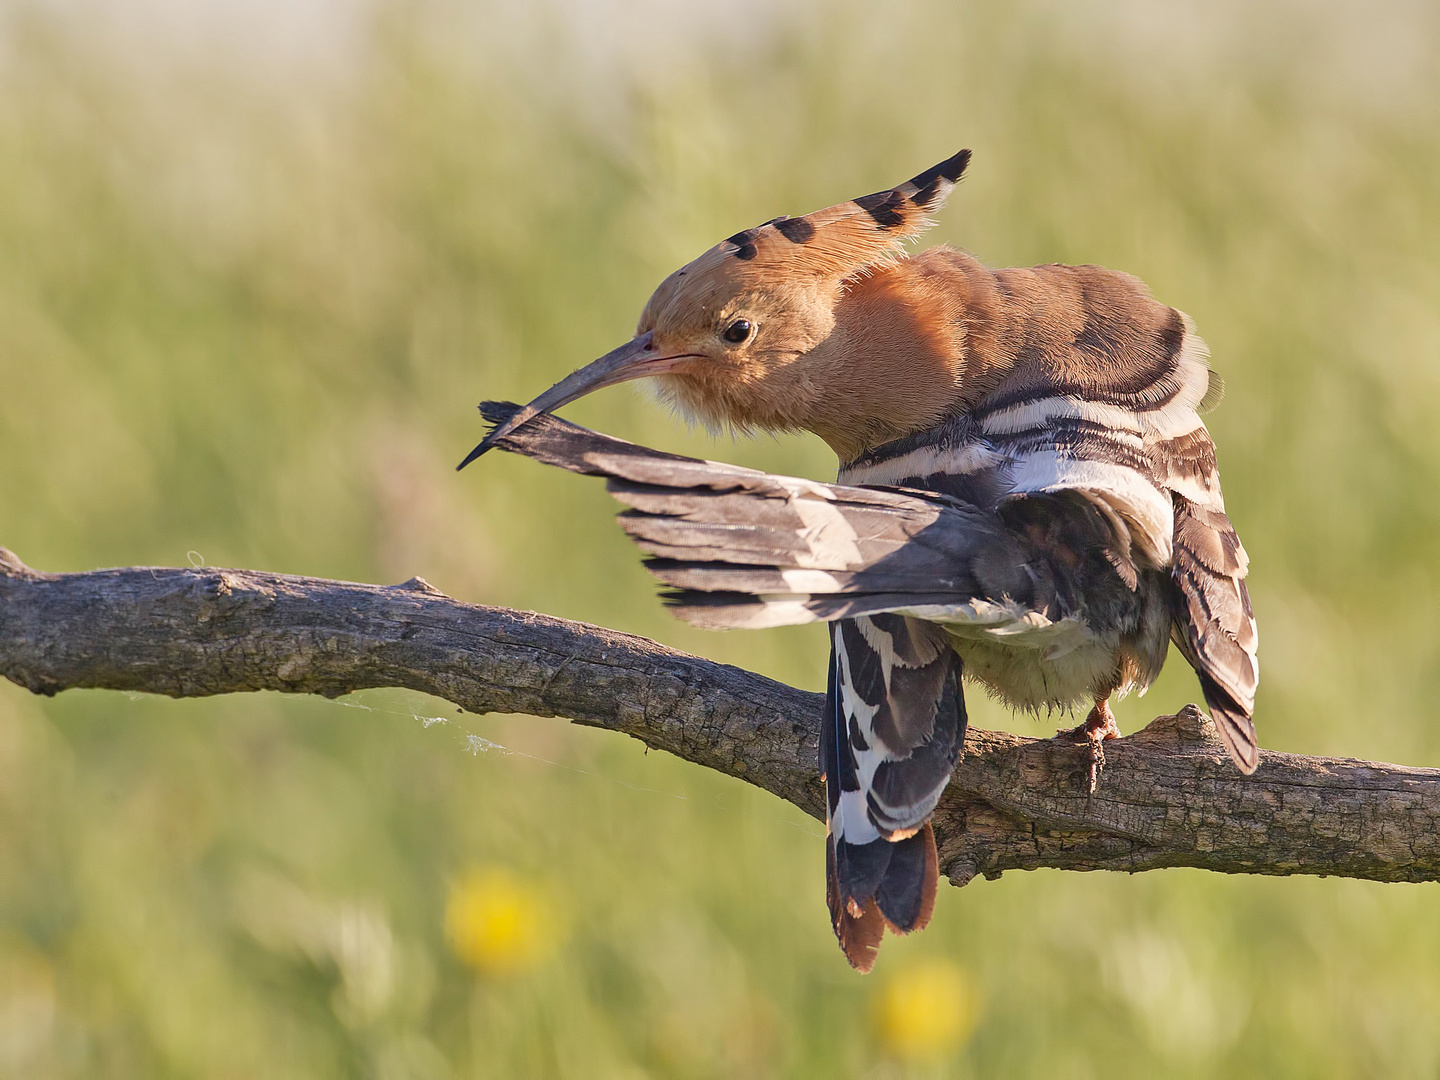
(925, 1011)
(498, 923)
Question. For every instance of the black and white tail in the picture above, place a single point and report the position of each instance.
(893, 729)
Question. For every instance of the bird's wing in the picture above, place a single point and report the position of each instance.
(746, 549)
(1214, 624)
(1099, 406)
(1112, 412)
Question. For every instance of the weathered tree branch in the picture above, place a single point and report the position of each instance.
(1168, 797)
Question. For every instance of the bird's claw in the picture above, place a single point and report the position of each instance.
(1098, 727)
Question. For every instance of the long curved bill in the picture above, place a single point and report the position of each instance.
(634, 360)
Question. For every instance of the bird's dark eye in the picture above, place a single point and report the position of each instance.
(737, 331)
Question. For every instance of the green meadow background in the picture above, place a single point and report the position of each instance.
(259, 262)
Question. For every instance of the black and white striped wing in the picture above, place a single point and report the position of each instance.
(745, 549)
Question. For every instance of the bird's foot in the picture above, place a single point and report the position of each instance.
(1098, 726)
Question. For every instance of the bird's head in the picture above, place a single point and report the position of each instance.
(724, 332)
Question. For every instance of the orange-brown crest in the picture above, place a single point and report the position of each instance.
(842, 240)
(789, 253)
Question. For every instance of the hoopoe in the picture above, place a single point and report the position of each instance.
(1027, 498)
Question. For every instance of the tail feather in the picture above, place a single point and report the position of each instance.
(906, 896)
(860, 869)
(881, 884)
(858, 929)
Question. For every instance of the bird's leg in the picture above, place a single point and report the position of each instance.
(1098, 726)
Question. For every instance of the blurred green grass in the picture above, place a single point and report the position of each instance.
(246, 320)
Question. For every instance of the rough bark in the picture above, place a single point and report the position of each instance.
(1167, 797)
